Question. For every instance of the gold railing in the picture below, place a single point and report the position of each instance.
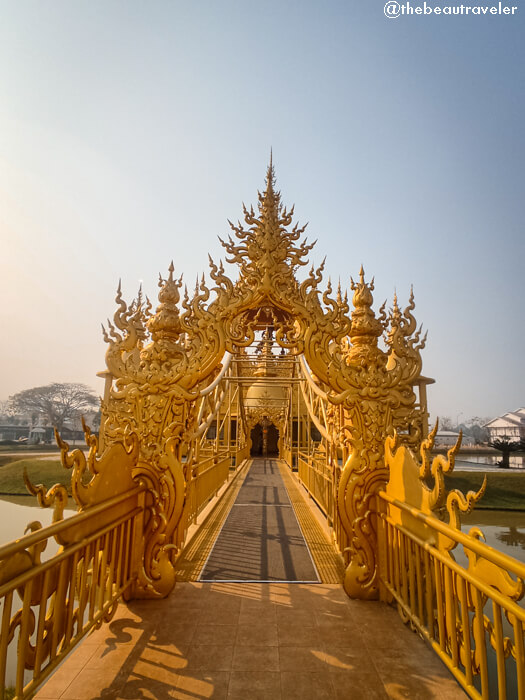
(317, 478)
(286, 455)
(64, 597)
(321, 483)
(469, 614)
(207, 477)
(241, 454)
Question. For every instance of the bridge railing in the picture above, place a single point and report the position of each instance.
(317, 477)
(241, 454)
(208, 475)
(64, 597)
(469, 613)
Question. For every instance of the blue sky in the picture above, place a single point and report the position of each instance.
(130, 132)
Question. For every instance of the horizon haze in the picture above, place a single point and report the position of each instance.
(131, 133)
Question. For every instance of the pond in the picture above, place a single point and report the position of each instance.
(503, 529)
(16, 512)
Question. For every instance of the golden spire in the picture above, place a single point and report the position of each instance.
(365, 328)
(267, 253)
(270, 200)
(165, 324)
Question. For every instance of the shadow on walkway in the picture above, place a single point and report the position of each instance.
(251, 641)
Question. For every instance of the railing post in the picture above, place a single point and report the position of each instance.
(382, 555)
(136, 545)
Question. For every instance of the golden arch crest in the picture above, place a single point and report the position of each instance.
(330, 384)
(161, 363)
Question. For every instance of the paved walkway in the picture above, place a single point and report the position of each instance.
(251, 641)
(261, 540)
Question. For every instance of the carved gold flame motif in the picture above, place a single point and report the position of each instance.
(332, 386)
(160, 362)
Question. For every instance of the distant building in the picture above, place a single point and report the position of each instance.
(510, 425)
(34, 429)
(9, 431)
(447, 438)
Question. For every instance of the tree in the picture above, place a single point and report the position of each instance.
(57, 403)
(445, 423)
(505, 446)
(476, 428)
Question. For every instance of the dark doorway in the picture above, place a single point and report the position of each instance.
(272, 441)
(265, 441)
(257, 442)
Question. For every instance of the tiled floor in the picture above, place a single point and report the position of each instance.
(251, 641)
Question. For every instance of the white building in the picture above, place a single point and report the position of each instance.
(511, 426)
(447, 438)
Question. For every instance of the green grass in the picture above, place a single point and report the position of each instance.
(40, 471)
(24, 447)
(505, 490)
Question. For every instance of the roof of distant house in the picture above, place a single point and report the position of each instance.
(511, 419)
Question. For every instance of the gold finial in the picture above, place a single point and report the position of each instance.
(362, 290)
(166, 322)
(269, 251)
(270, 176)
(365, 328)
(396, 311)
(270, 200)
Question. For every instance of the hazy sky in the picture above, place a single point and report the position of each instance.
(131, 131)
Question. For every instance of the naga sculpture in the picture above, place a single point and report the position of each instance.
(159, 363)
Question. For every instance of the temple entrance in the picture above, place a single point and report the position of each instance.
(272, 441)
(256, 438)
(265, 441)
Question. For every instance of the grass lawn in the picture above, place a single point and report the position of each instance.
(505, 490)
(40, 471)
(29, 448)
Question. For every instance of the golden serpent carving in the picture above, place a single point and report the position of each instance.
(159, 361)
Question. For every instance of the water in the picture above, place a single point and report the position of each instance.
(16, 512)
(503, 529)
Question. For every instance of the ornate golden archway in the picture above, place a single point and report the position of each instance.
(184, 386)
(162, 365)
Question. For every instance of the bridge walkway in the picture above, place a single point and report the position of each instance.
(243, 639)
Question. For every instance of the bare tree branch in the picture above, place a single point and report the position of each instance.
(57, 403)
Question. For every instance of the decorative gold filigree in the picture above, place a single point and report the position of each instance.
(93, 481)
(160, 362)
(58, 596)
(407, 483)
(490, 573)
